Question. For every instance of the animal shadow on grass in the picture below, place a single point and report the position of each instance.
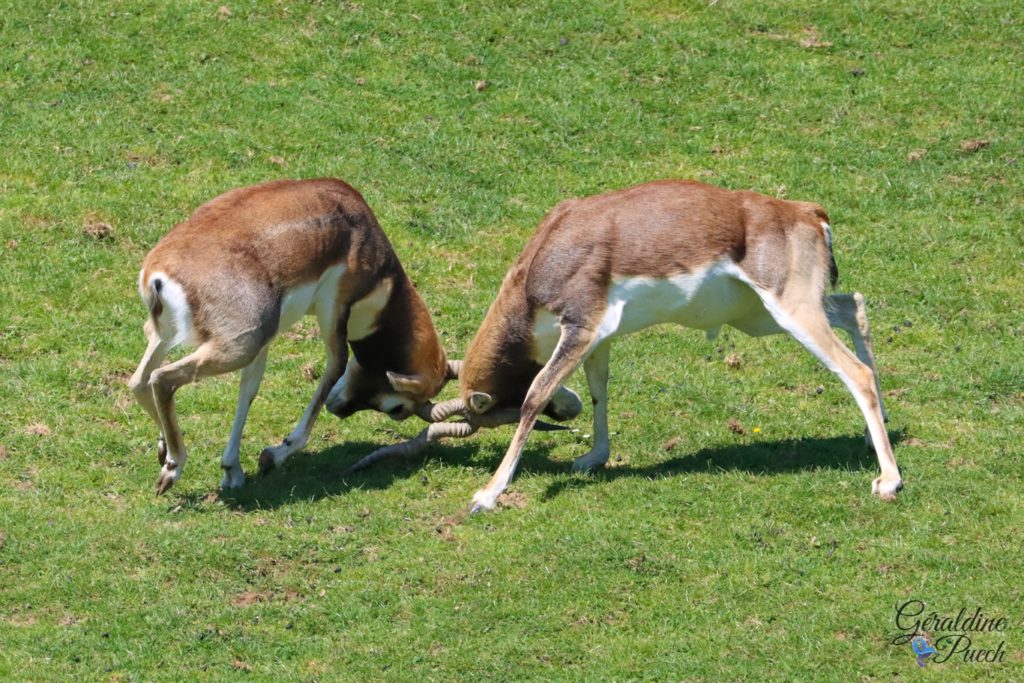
(766, 458)
(311, 476)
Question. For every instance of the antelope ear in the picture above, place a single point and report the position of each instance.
(407, 384)
(479, 402)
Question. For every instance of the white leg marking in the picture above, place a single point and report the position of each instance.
(249, 384)
(596, 367)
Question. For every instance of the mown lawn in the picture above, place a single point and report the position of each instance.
(706, 552)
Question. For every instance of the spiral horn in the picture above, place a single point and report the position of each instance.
(413, 446)
(439, 412)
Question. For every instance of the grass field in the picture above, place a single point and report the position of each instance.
(701, 553)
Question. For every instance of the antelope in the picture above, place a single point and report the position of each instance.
(667, 251)
(251, 263)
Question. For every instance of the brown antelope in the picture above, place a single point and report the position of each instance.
(251, 263)
(668, 251)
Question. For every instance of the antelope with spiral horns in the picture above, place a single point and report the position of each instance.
(249, 264)
(668, 251)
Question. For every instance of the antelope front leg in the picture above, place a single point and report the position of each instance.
(572, 347)
(337, 357)
(249, 384)
(596, 367)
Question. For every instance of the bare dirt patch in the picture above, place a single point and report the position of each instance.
(512, 499)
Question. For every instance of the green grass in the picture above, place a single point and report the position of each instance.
(756, 556)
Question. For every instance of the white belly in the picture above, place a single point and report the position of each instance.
(704, 299)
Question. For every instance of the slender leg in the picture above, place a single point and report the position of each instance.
(849, 312)
(596, 367)
(572, 347)
(846, 312)
(205, 361)
(156, 351)
(249, 384)
(332, 331)
(809, 325)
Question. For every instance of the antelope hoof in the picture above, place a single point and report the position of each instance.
(483, 501)
(161, 451)
(886, 489)
(166, 479)
(234, 478)
(267, 461)
(589, 462)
